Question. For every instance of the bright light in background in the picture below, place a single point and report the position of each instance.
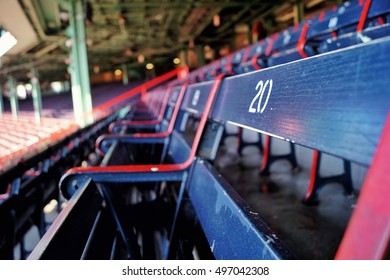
(96, 69)
(28, 87)
(51, 206)
(216, 20)
(7, 41)
(118, 72)
(56, 86)
(176, 60)
(21, 92)
(149, 66)
(141, 58)
(68, 43)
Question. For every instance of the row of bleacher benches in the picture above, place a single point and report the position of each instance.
(156, 193)
(27, 187)
(30, 185)
(164, 200)
(349, 24)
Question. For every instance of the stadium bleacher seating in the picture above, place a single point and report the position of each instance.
(323, 84)
(271, 111)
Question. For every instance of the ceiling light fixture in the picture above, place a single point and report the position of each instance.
(7, 41)
(141, 58)
(216, 20)
(176, 60)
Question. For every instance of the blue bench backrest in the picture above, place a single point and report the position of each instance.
(336, 103)
(237, 58)
(289, 37)
(196, 97)
(194, 102)
(347, 17)
(354, 38)
(174, 94)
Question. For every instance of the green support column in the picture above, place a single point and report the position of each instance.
(1, 101)
(83, 60)
(36, 95)
(199, 50)
(81, 89)
(13, 97)
(66, 86)
(298, 11)
(78, 109)
(268, 25)
(125, 74)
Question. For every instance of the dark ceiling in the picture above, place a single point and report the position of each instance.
(118, 31)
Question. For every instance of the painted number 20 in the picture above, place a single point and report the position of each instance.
(261, 87)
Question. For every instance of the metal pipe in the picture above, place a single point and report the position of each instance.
(83, 62)
(13, 98)
(36, 95)
(125, 74)
(298, 11)
(81, 91)
(1, 101)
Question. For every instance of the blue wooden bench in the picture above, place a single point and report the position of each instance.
(349, 24)
(181, 169)
(349, 127)
(159, 128)
(156, 118)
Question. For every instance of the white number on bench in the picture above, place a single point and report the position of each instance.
(261, 87)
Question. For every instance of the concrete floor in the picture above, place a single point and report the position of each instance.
(311, 232)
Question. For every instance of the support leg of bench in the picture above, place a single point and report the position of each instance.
(317, 182)
(125, 230)
(242, 144)
(182, 241)
(268, 158)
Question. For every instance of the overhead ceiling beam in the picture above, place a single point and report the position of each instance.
(47, 49)
(204, 4)
(197, 21)
(25, 66)
(14, 20)
(267, 12)
(37, 23)
(313, 3)
(233, 20)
